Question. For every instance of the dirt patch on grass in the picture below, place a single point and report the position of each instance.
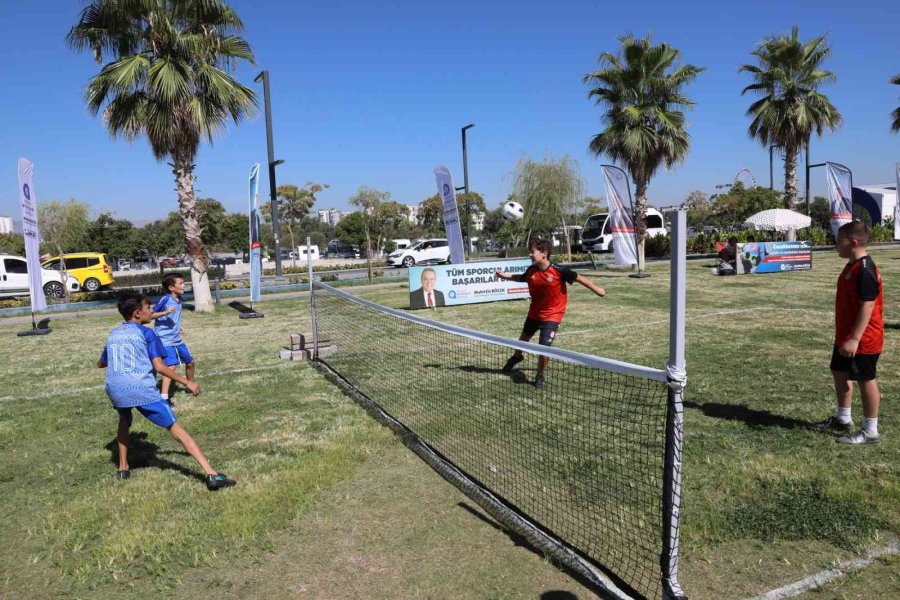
(397, 530)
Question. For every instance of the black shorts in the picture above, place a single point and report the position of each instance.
(859, 368)
(547, 329)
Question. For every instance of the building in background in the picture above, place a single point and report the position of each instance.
(413, 213)
(6, 224)
(331, 216)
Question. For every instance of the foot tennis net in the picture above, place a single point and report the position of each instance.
(587, 469)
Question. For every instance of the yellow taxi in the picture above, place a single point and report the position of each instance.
(91, 269)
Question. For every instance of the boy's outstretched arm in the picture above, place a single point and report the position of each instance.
(172, 374)
(591, 285)
(162, 313)
(501, 275)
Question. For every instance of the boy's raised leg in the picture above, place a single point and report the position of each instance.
(184, 438)
(189, 371)
(214, 479)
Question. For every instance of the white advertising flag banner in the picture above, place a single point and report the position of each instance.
(897, 204)
(621, 220)
(28, 200)
(255, 248)
(451, 215)
(840, 195)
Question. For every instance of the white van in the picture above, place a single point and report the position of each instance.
(596, 235)
(14, 279)
(302, 251)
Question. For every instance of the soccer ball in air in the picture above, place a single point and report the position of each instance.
(512, 211)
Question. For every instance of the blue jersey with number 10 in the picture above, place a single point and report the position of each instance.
(128, 356)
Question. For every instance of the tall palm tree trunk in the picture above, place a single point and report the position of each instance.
(640, 221)
(190, 221)
(790, 176)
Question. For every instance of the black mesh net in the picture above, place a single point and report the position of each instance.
(582, 458)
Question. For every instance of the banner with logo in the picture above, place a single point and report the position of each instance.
(621, 217)
(28, 201)
(451, 215)
(840, 195)
(449, 285)
(255, 259)
(897, 204)
(764, 257)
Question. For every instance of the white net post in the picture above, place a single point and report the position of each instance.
(675, 411)
(312, 302)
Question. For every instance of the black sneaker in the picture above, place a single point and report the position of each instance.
(512, 362)
(123, 475)
(220, 480)
(539, 382)
(832, 425)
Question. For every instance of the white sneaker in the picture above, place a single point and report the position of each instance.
(858, 438)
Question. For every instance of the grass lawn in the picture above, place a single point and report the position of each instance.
(330, 505)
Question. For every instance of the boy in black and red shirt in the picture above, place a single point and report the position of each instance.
(549, 295)
(858, 337)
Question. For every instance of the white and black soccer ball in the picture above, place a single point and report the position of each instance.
(512, 211)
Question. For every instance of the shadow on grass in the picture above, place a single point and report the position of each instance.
(143, 454)
(521, 542)
(752, 417)
(517, 376)
(240, 307)
(886, 325)
(44, 323)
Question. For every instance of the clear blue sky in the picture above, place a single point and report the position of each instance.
(375, 93)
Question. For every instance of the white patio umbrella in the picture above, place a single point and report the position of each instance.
(777, 219)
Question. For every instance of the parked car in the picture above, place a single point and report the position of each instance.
(14, 279)
(91, 269)
(426, 252)
(596, 235)
(337, 249)
(170, 263)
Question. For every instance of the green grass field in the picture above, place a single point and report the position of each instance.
(331, 505)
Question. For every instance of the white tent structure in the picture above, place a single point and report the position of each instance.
(778, 219)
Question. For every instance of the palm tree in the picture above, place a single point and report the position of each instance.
(787, 78)
(895, 126)
(169, 79)
(641, 89)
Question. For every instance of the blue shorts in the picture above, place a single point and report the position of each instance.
(177, 355)
(159, 413)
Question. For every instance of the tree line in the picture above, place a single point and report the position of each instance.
(167, 75)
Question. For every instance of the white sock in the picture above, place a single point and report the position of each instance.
(843, 415)
(870, 426)
(163, 396)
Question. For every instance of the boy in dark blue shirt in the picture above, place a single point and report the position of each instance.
(133, 355)
(167, 313)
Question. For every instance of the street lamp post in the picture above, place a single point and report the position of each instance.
(771, 171)
(273, 196)
(466, 188)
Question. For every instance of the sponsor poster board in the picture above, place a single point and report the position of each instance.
(768, 257)
(469, 283)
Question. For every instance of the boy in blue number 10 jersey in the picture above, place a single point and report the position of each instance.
(133, 355)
